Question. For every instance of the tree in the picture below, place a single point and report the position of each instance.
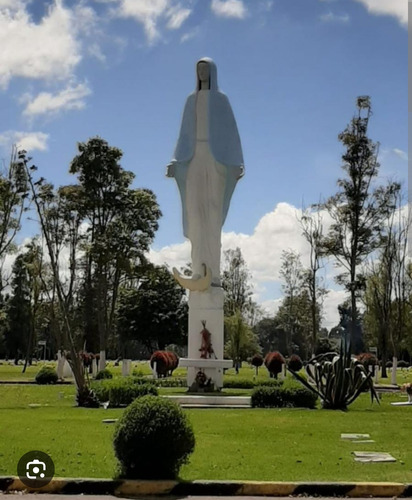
(153, 313)
(237, 287)
(121, 225)
(44, 200)
(313, 232)
(387, 287)
(357, 209)
(293, 279)
(19, 314)
(240, 340)
(270, 335)
(13, 201)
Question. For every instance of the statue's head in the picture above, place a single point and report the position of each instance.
(206, 74)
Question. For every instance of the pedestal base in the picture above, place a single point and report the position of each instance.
(212, 368)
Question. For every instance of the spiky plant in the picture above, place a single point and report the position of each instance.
(338, 379)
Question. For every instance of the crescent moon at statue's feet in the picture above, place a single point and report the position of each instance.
(194, 285)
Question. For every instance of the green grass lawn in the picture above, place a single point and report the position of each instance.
(255, 444)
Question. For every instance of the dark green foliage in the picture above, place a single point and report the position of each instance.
(153, 439)
(389, 364)
(155, 313)
(46, 375)
(338, 379)
(238, 383)
(122, 391)
(246, 383)
(283, 396)
(403, 364)
(102, 374)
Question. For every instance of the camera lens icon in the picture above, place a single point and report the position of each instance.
(35, 469)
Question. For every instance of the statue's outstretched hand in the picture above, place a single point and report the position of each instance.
(170, 170)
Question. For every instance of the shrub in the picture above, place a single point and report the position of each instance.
(153, 439)
(389, 364)
(122, 392)
(283, 396)
(274, 362)
(238, 383)
(171, 382)
(103, 374)
(269, 382)
(367, 359)
(403, 364)
(295, 363)
(46, 375)
(166, 362)
(257, 360)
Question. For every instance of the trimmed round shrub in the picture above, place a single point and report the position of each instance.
(122, 391)
(403, 364)
(367, 359)
(153, 439)
(274, 362)
(166, 362)
(103, 374)
(295, 363)
(389, 364)
(47, 375)
(257, 360)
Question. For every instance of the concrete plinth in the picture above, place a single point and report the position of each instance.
(126, 367)
(206, 306)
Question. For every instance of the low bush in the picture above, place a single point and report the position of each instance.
(283, 396)
(403, 364)
(389, 364)
(46, 375)
(170, 382)
(104, 374)
(238, 383)
(153, 439)
(122, 391)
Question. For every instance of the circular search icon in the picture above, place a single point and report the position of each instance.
(35, 469)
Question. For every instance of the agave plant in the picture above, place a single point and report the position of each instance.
(338, 379)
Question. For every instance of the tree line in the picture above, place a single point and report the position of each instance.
(85, 282)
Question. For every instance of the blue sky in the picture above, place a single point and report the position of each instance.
(122, 69)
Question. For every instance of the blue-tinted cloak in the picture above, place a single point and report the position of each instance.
(224, 141)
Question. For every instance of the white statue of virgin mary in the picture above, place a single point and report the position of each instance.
(207, 164)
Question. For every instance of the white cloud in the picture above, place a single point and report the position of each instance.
(72, 97)
(150, 12)
(395, 8)
(47, 50)
(330, 17)
(189, 35)
(400, 153)
(229, 8)
(177, 16)
(29, 141)
(262, 250)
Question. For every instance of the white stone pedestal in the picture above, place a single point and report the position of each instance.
(102, 361)
(67, 370)
(126, 367)
(94, 367)
(206, 306)
(60, 364)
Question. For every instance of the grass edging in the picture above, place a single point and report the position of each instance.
(122, 487)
